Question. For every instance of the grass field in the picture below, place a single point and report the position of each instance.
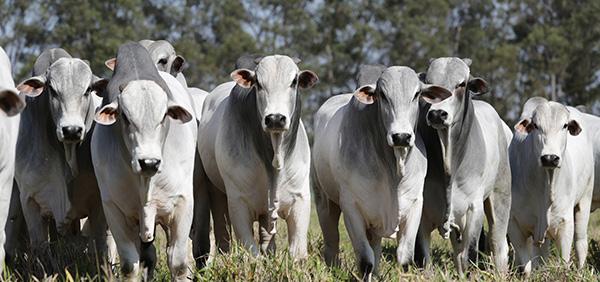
(69, 261)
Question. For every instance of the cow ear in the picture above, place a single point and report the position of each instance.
(478, 86)
(10, 102)
(307, 79)
(99, 85)
(111, 64)
(467, 61)
(434, 94)
(524, 126)
(365, 94)
(574, 127)
(243, 77)
(177, 65)
(177, 112)
(107, 115)
(33, 86)
(296, 60)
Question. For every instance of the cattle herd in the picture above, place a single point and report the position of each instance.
(405, 154)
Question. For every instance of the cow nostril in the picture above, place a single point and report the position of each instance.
(437, 116)
(401, 139)
(72, 132)
(275, 121)
(149, 165)
(550, 160)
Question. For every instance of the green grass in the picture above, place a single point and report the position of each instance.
(70, 261)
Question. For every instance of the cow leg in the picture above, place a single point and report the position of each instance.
(6, 186)
(201, 226)
(407, 232)
(423, 247)
(267, 240)
(127, 240)
(298, 220)
(239, 213)
(470, 234)
(98, 232)
(357, 232)
(523, 247)
(37, 227)
(177, 246)
(329, 218)
(565, 239)
(582, 216)
(375, 243)
(221, 220)
(497, 210)
(16, 228)
(540, 253)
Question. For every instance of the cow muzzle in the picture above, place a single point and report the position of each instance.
(437, 118)
(149, 167)
(276, 122)
(402, 140)
(550, 161)
(71, 134)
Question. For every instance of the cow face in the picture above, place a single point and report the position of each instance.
(549, 126)
(143, 109)
(450, 83)
(164, 56)
(276, 81)
(396, 97)
(69, 84)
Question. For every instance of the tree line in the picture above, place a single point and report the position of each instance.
(525, 48)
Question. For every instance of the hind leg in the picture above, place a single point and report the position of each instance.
(423, 246)
(497, 209)
(329, 218)
(201, 224)
(221, 221)
(582, 216)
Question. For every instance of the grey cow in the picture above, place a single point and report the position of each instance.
(469, 173)
(370, 163)
(143, 153)
(593, 130)
(10, 107)
(54, 171)
(255, 150)
(164, 56)
(552, 164)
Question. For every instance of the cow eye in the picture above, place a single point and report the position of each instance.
(294, 82)
(565, 126)
(462, 84)
(87, 92)
(162, 61)
(535, 125)
(416, 95)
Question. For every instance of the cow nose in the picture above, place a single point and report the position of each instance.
(149, 166)
(72, 133)
(437, 117)
(550, 161)
(401, 139)
(275, 121)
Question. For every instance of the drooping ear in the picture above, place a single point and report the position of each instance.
(99, 85)
(574, 127)
(307, 79)
(365, 94)
(434, 94)
(10, 102)
(178, 65)
(111, 64)
(422, 77)
(524, 126)
(177, 112)
(243, 77)
(33, 86)
(478, 86)
(467, 61)
(107, 115)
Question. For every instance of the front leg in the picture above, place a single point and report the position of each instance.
(177, 246)
(407, 231)
(267, 240)
(37, 227)
(239, 213)
(522, 245)
(357, 231)
(127, 239)
(582, 217)
(565, 238)
(298, 220)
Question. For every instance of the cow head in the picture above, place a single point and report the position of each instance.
(449, 86)
(164, 56)
(69, 83)
(549, 125)
(276, 80)
(396, 96)
(143, 109)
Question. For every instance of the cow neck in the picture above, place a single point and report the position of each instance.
(455, 142)
(249, 127)
(363, 128)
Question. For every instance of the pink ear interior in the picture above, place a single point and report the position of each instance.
(365, 94)
(435, 94)
(107, 115)
(111, 63)
(243, 77)
(522, 125)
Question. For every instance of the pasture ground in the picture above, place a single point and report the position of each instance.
(68, 260)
